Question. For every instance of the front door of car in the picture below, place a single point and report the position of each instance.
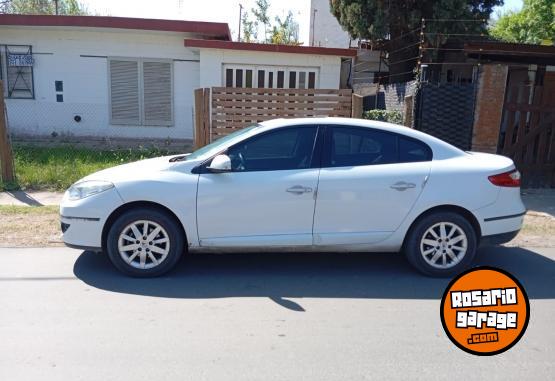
(369, 181)
(267, 199)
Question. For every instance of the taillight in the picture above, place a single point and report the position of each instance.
(506, 179)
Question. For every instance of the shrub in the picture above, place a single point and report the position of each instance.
(390, 116)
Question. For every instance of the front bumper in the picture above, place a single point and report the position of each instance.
(82, 221)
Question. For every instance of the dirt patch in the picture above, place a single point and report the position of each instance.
(24, 226)
(538, 231)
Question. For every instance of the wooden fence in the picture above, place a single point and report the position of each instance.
(236, 108)
(529, 137)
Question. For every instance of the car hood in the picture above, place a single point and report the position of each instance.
(143, 169)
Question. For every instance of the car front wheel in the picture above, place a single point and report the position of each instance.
(441, 244)
(144, 243)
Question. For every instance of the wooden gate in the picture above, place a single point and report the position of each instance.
(528, 132)
(236, 108)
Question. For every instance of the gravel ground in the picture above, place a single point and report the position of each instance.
(23, 226)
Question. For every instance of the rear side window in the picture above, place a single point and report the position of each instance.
(412, 151)
(358, 146)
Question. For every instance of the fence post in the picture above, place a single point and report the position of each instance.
(409, 110)
(356, 106)
(6, 154)
(199, 103)
(206, 117)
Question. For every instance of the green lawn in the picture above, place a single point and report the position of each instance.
(56, 168)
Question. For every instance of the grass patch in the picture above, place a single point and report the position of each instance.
(10, 210)
(56, 168)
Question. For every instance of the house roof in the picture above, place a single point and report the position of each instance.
(213, 30)
(511, 52)
(274, 48)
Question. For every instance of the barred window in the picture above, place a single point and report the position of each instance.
(270, 77)
(16, 71)
(141, 91)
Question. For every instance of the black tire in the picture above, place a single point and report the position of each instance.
(412, 247)
(168, 223)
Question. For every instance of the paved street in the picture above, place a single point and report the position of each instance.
(67, 315)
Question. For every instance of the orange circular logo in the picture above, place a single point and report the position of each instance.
(485, 311)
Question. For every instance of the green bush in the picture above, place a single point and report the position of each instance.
(390, 116)
(56, 168)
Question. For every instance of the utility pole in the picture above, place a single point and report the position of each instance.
(240, 17)
(56, 6)
(313, 23)
(6, 156)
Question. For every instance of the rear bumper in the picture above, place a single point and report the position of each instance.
(498, 239)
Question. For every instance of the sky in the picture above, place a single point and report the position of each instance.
(201, 10)
(216, 10)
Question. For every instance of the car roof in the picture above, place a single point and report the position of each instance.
(440, 148)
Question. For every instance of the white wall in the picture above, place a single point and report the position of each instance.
(57, 54)
(213, 60)
(324, 28)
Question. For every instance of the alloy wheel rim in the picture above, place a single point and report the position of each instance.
(443, 245)
(144, 244)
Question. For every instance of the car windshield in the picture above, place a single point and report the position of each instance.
(217, 146)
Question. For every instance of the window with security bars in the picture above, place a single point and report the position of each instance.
(141, 91)
(16, 71)
(271, 77)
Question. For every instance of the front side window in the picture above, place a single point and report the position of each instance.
(283, 149)
(141, 91)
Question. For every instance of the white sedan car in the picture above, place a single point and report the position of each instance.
(318, 184)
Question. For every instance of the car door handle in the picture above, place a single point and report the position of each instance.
(402, 185)
(298, 189)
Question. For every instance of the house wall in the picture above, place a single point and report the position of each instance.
(324, 28)
(489, 107)
(211, 70)
(58, 56)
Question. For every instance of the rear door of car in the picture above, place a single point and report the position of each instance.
(369, 181)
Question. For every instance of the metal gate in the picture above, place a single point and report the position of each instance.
(447, 112)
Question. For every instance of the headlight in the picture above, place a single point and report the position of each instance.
(88, 188)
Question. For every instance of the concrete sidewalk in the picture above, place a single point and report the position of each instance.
(30, 198)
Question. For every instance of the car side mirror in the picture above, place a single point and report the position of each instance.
(219, 164)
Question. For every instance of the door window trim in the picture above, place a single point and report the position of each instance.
(315, 159)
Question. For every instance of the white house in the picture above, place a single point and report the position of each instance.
(80, 76)
(325, 31)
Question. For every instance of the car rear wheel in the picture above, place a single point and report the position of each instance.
(145, 243)
(441, 244)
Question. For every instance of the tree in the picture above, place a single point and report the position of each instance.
(249, 28)
(44, 7)
(283, 31)
(286, 31)
(397, 23)
(534, 24)
(261, 15)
